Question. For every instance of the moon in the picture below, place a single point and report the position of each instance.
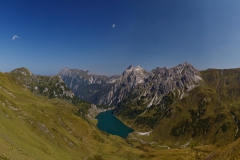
(113, 25)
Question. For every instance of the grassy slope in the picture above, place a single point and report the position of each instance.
(229, 152)
(198, 119)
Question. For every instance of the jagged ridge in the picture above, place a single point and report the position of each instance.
(112, 90)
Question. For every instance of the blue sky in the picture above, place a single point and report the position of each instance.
(53, 34)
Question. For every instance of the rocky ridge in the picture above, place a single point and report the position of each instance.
(79, 78)
(112, 90)
(50, 87)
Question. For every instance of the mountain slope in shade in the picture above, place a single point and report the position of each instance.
(85, 85)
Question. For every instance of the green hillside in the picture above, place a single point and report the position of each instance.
(229, 152)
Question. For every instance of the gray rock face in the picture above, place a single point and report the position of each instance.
(75, 78)
(133, 81)
(161, 81)
(85, 85)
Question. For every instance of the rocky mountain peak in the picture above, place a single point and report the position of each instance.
(23, 71)
(186, 66)
(130, 67)
(182, 69)
(187, 70)
(133, 76)
(186, 63)
(64, 71)
(131, 70)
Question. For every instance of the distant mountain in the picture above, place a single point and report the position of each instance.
(85, 85)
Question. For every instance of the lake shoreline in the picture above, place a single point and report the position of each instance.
(109, 123)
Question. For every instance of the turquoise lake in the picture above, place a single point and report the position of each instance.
(107, 122)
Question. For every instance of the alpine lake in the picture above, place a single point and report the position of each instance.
(107, 122)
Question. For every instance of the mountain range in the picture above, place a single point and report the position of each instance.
(176, 113)
(112, 90)
(172, 106)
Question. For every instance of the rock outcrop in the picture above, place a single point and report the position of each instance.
(50, 86)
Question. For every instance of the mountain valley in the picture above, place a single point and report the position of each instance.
(174, 106)
(176, 113)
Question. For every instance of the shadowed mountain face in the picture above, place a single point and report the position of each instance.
(174, 106)
(84, 85)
